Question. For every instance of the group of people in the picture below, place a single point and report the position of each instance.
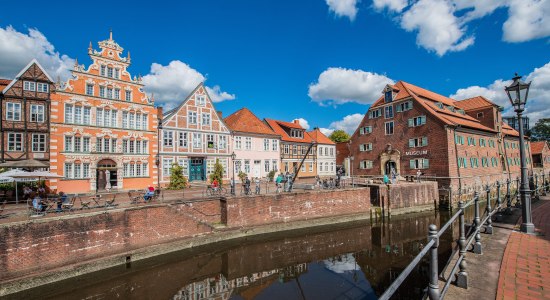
(284, 182)
(28, 191)
(41, 203)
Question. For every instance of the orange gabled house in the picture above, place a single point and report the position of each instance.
(104, 127)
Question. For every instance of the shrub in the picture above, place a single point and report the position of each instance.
(177, 180)
(271, 175)
(218, 172)
(242, 176)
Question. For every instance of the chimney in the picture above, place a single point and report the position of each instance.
(220, 114)
(296, 121)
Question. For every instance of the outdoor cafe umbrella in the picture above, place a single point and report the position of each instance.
(26, 164)
(20, 175)
(15, 175)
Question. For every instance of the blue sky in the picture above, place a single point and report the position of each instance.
(266, 55)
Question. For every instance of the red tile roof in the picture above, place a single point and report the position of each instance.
(244, 120)
(474, 103)
(277, 126)
(537, 147)
(4, 83)
(319, 137)
(507, 130)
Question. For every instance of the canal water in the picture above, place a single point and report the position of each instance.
(349, 261)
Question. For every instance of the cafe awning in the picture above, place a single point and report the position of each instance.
(27, 163)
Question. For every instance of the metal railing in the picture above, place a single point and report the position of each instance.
(467, 241)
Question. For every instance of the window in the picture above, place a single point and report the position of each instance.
(109, 72)
(482, 142)
(86, 170)
(365, 164)
(418, 142)
(15, 141)
(29, 86)
(462, 162)
(247, 166)
(168, 138)
(102, 70)
(90, 89)
(166, 165)
(295, 133)
(182, 139)
(77, 144)
(375, 114)
(266, 165)
(69, 170)
(38, 142)
(86, 144)
(128, 96)
(474, 162)
(110, 93)
(13, 111)
(286, 149)
(389, 128)
(403, 106)
(37, 113)
(275, 145)
(303, 168)
(222, 142)
(471, 141)
(206, 119)
(459, 140)
(484, 162)
(201, 100)
(117, 94)
(102, 91)
(310, 167)
(210, 141)
(238, 143)
(248, 143)
(365, 147)
(274, 164)
(365, 130)
(388, 96)
(439, 105)
(42, 87)
(238, 166)
(117, 73)
(192, 116)
(417, 121)
(419, 163)
(68, 143)
(197, 140)
(388, 112)
(266, 144)
(479, 115)
(451, 108)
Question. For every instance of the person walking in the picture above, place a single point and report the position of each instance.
(418, 174)
(278, 183)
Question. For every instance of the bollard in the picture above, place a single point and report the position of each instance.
(488, 209)
(462, 276)
(433, 287)
(477, 223)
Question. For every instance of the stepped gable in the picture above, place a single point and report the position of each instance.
(244, 120)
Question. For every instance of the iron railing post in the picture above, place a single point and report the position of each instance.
(477, 223)
(499, 200)
(518, 200)
(543, 184)
(536, 185)
(433, 287)
(488, 209)
(508, 197)
(462, 276)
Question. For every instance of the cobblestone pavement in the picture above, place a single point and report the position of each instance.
(525, 268)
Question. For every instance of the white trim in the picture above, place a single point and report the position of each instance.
(23, 71)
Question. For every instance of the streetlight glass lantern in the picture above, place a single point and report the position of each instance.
(517, 92)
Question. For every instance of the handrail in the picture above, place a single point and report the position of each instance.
(466, 242)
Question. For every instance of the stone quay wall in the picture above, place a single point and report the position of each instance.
(413, 197)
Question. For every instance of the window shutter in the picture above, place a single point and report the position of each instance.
(398, 108)
(423, 119)
(411, 123)
(370, 114)
(361, 130)
(425, 163)
(424, 141)
(411, 143)
(412, 164)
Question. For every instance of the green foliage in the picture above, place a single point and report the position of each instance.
(7, 186)
(218, 172)
(271, 175)
(338, 136)
(541, 130)
(242, 176)
(177, 180)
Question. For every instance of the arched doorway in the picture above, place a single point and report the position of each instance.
(106, 177)
(390, 164)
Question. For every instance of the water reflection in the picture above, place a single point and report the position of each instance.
(355, 262)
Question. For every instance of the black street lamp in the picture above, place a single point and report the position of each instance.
(517, 93)
(233, 156)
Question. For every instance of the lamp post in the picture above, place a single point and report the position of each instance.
(517, 94)
(233, 156)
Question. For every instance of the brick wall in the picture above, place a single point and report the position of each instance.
(247, 211)
(412, 195)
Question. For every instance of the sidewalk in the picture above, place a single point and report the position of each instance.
(525, 268)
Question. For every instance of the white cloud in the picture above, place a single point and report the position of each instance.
(528, 20)
(339, 85)
(392, 5)
(348, 124)
(438, 28)
(326, 131)
(343, 8)
(17, 49)
(537, 103)
(173, 82)
(303, 122)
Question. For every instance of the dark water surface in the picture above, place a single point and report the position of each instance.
(352, 261)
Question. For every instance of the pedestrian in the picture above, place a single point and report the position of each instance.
(418, 174)
(257, 181)
(278, 182)
(386, 179)
(393, 176)
(247, 186)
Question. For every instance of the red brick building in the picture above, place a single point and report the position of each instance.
(541, 156)
(460, 143)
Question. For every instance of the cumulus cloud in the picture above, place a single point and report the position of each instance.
(303, 122)
(343, 8)
(392, 5)
(528, 19)
(173, 82)
(339, 85)
(326, 131)
(537, 103)
(441, 25)
(17, 49)
(437, 27)
(348, 124)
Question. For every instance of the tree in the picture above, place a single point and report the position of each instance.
(541, 130)
(338, 136)
(218, 172)
(177, 180)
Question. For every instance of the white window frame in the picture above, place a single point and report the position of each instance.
(39, 114)
(29, 86)
(15, 110)
(18, 144)
(42, 87)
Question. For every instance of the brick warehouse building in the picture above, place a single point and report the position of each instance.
(460, 143)
(104, 127)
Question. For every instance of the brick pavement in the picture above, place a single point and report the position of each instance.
(525, 268)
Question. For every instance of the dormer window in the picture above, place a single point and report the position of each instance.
(388, 94)
(451, 108)
(295, 133)
(461, 111)
(439, 105)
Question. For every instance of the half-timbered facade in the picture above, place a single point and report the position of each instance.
(104, 127)
(25, 110)
(194, 136)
